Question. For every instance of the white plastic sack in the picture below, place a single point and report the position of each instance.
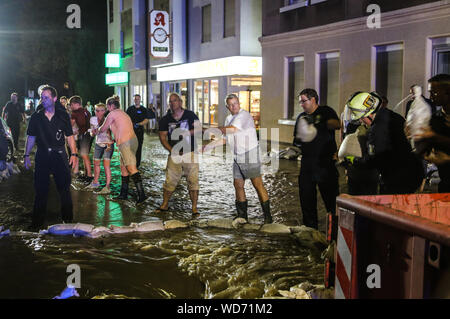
(305, 132)
(419, 115)
(350, 146)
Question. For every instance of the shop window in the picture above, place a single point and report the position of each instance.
(389, 71)
(441, 56)
(296, 83)
(329, 79)
(214, 108)
(206, 23)
(229, 18)
(246, 81)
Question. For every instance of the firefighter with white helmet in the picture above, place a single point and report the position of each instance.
(361, 180)
(388, 150)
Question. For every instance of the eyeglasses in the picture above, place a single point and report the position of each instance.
(303, 101)
(99, 110)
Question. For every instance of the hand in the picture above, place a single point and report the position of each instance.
(27, 162)
(3, 165)
(427, 134)
(73, 161)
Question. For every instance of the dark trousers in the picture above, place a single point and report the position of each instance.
(15, 132)
(140, 136)
(329, 189)
(57, 164)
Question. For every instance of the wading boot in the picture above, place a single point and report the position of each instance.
(140, 189)
(123, 189)
(266, 210)
(241, 208)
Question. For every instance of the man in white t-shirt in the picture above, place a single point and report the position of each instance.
(240, 134)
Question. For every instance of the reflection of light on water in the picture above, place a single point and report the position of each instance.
(36, 243)
(115, 212)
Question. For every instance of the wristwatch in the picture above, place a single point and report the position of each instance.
(74, 154)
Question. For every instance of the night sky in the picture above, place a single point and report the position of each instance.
(37, 47)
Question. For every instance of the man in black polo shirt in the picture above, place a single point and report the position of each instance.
(48, 128)
(139, 117)
(14, 114)
(318, 156)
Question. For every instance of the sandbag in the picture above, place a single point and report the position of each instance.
(350, 146)
(305, 132)
(418, 119)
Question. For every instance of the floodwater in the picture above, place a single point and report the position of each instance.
(187, 263)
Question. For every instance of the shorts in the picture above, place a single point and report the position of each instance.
(84, 143)
(176, 169)
(128, 152)
(102, 152)
(247, 165)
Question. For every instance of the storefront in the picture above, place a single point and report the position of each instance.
(205, 93)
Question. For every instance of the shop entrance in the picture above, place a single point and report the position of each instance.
(206, 101)
(249, 91)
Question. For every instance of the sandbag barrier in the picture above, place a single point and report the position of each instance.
(302, 233)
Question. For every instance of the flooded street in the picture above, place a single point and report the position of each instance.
(187, 263)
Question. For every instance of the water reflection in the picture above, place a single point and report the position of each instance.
(191, 263)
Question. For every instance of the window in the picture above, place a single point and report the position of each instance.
(162, 5)
(441, 56)
(389, 71)
(295, 4)
(111, 46)
(127, 33)
(111, 11)
(296, 83)
(329, 79)
(229, 18)
(206, 23)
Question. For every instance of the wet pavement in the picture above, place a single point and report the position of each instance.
(192, 263)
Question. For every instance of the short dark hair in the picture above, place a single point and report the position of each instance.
(52, 90)
(76, 100)
(114, 100)
(441, 78)
(310, 93)
(137, 95)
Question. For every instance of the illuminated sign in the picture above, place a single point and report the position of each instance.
(159, 34)
(236, 65)
(116, 78)
(112, 60)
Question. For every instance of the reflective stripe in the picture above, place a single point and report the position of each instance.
(344, 253)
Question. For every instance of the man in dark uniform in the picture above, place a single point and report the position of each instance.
(48, 129)
(438, 136)
(139, 117)
(14, 113)
(318, 157)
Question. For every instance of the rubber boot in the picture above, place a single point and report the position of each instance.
(124, 188)
(266, 210)
(241, 208)
(140, 189)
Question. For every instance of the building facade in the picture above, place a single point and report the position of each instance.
(339, 47)
(222, 56)
(214, 51)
